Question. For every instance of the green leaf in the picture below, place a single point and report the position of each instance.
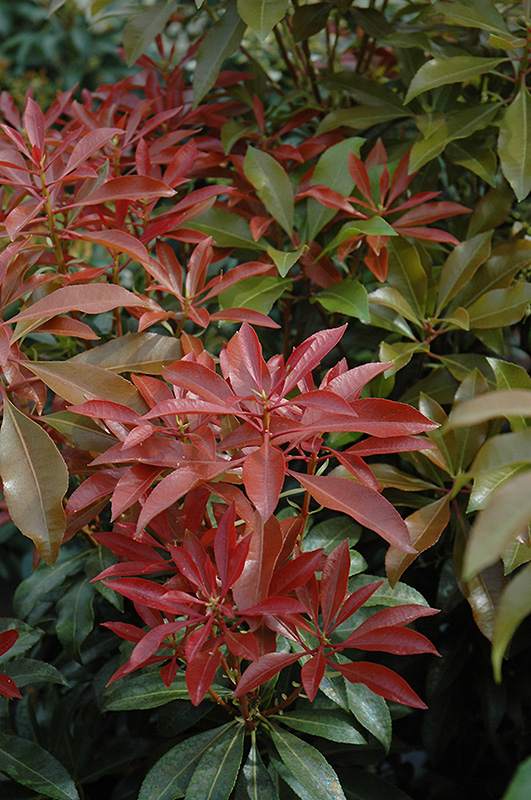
(333, 725)
(285, 261)
(486, 483)
(331, 171)
(29, 671)
(331, 532)
(35, 480)
(145, 690)
(220, 42)
(514, 606)
(82, 432)
(461, 265)
(272, 186)
(27, 637)
(258, 293)
(375, 226)
(500, 307)
(441, 71)
(309, 20)
(506, 403)
(491, 210)
(308, 766)
(262, 15)
(43, 580)
(216, 773)
(227, 230)
(387, 595)
(231, 132)
(469, 17)
(367, 92)
(99, 559)
(29, 764)
(514, 147)
(407, 275)
(75, 617)
(254, 781)
(347, 297)
(359, 118)
(518, 788)
(371, 711)
(507, 514)
(511, 376)
(506, 449)
(400, 353)
(515, 555)
(169, 777)
(140, 31)
(475, 156)
(144, 352)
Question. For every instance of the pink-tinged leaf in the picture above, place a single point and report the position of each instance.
(222, 282)
(334, 581)
(360, 177)
(244, 315)
(181, 163)
(426, 213)
(200, 674)
(225, 544)
(90, 144)
(243, 645)
(197, 639)
(139, 590)
(188, 567)
(93, 488)
(429, 235)
(263, 477)
(378, 263)
(381, 681)
(132, 486)
(106, 409)
(251, 352)
(147, 647)
(21, 216)
(350, 383)
(197, 267)
(296, 572)
(400, 180)
(169, 672)
(259, 226)
(361, 503)
(202, 561)
(392, 444)
(123, 545)
(274, 605)
(357, 467)
(64, 326)
(308, 594)
(266, 543)
(326, 401)
(130, 187)
(354, 602)
(8, 687)
(397, 615)
(327, 197)
(33, 120)
(142, 158)
(309, 354)
(199, 380)
(120, 242)
(91, 299)
(168, 491)
(389, 418)
(131, 569)
(131, 633)
(170, 273)
(264, 669)
(187, 406)
(396, 640)
(312, 674)
(7, 640)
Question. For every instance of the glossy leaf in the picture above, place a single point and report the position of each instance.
(216, 772)
(439, 72)
(347, 297)
(461, 265)
(135, 352)
(382, 681)
(332, 725)
(75, 617)
(513, 144)
(147, 690)
(371, 711)
(29, 764)
(500, 307)
(272, 185)
(263, 476)
(35, 481)
(219, 43)
(254, 781)
(307, 765)
(262, 15)
(259, 294)
(509, 402)
(515, 605)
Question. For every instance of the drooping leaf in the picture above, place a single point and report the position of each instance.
(272, 185)
(513, 144)
(441, 71)
(515, 605)
(135, 352)
(262, 15)
(35, 480)
(308, 766)
(31, 765)
(371, 711)
(219, 43)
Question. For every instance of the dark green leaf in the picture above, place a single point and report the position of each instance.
(309, 20)
(254, 781)
(75, 617)
(147, 690)
(27, 637)
(441, 71)
(227, 230)
(513, 144)
(220, 42)
(28, 763)
(359, 118)
(140, 31)
(407, 275)
(308, 766)
(29, 671)
(216, 773)
(514, 606)
(371, 711)
(334, 725)
(461, 265)
(44, 579)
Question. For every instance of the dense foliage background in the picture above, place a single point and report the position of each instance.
(350, 180)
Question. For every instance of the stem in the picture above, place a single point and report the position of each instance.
(217, 699)
(58, 250)
(284, 704)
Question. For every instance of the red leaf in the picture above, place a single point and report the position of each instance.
(225, 544)
(200, 674)
(381, 681)
(64, 326)
(20, 216)
(393, 444)
(274, 605)
(263, 476)
(396, 640)
(129, 187)
(377, 263)
(360, 176)
(199, 260)
(132, 486)
(334, 581)
(264, 669)
(8, 688)
(196, 640)
(244, 315)
(101, 484)
(187, 406)
(33, 121)
(400, 181)
(327, 197)
(426, 213)
(147, 646)
(168, 491)
(131, 633)
(139, 590)
(198, 379)
(243, 645)
(350, 383)
(357, 466)
(389, 418)
(121, 242)
(312, 674)
(296, 572)
(106, 409)
(7, 640)
(429, 234)
(361, 503)
(309, 354)
(91, 299)
(90, 144)
(354, 602)
(398, 615)
(169, 672)
(266, 543)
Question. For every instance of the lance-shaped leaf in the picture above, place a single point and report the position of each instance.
(263, 476)
(441, 71)
(262, 15)
(254, 781)
(272, 185)
(216, 773)
(462, 263)
(514, 146)
(140, 31)
(507, 403)
(129, 187)
(135, 352)
(31, 765)
(515, 605)
(382, 681)
(362, 504)
(308, 766)
(219, 43)
(35, 481)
